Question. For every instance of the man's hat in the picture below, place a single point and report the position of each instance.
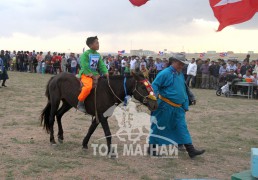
(180, 57)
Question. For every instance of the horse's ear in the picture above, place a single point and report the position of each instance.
(138, 76)
(137, 70)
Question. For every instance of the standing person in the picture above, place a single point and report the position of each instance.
(39, 59)
(63, 63)
(43, 64)
(145, 72)
(48, 58)
(3, 68)
(73, 64)
(159, 65)
(205, 75)
(132, 64)
(90, 62)
(191, 73)
(214, 72)
(198, 79)
(123, 65)
(143, 63)
(173, 102)
(152, 70)
(8, 58)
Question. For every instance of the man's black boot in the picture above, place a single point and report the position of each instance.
(81, 106)
(192, 152)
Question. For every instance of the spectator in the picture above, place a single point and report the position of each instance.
(214, 75)
(63, 63)
(137, 64)
(127, 69)
(191, 72)
(132, 64)
(39, 59)
(43, 64)
(238, 69)
(123, 65)
(231, 66)
(159, 65)
(73, 64)
(198, 77)
(143, 63)
(145, 71)
(3, 68)
(152, 70)
(205, 74)
(223, 70)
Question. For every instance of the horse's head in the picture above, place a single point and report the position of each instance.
(143, 92)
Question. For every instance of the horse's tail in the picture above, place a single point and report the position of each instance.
(45, 114)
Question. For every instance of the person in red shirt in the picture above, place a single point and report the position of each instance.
(55, 62)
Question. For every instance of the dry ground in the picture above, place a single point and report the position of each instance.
(226, 127)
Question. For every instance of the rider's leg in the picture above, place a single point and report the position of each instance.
(87, 86)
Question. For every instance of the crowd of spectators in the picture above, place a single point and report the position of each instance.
(199, 73)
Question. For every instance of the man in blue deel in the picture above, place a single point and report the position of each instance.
(169, 86)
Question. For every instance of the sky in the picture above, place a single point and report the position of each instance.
(175, 25)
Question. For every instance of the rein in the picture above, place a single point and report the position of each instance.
(113, 91)
(145, 82)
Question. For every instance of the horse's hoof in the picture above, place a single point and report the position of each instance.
(85, 148)
(53, 144)
(60, 141)
(113, 156)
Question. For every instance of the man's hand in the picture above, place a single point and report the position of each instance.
(107, 75)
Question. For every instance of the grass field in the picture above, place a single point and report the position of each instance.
(226, 127)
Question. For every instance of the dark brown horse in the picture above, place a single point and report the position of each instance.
(65, 87)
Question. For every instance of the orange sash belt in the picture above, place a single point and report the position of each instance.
(169, 102)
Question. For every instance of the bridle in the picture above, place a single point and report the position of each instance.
(135, 90)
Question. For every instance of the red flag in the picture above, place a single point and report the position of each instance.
(138, 2)
(229, 12)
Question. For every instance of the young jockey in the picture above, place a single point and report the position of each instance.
(91, 62)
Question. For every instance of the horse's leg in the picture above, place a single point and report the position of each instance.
(54, 106)
(65, 107)
(91, 130)
(107, 132)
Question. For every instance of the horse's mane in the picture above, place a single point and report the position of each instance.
(117, 77)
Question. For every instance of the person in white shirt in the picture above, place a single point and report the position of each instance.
(132, 64)
(123, 64)
(43, 65)
(191, 72)
(248, 75)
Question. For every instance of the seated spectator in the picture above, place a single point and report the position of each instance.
(247, 75)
